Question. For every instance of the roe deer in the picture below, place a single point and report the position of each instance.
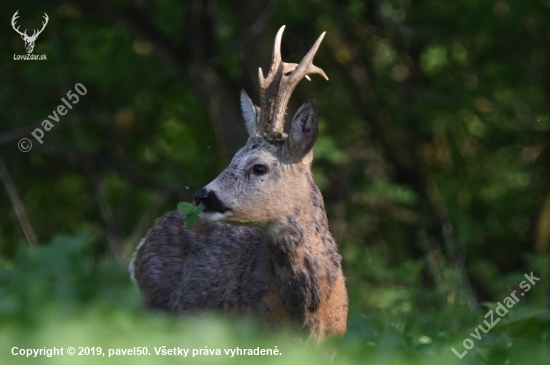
(275, 256)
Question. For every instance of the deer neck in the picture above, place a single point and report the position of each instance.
(304, 258)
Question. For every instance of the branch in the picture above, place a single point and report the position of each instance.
(18, 133)
(15, 134)
(542, 242)
(18, 207)
(123, 168)
(141, 26)
(189, 61)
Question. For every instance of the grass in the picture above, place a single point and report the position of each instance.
(64, 294)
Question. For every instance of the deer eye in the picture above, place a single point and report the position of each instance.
(259, 170)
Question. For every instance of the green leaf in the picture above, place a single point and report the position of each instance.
(186, 208)
(199, 209)
(190, 220)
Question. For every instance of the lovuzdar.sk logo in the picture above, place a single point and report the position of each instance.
(29, 39)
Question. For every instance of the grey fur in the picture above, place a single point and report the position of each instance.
(250, 114)
(285, 251)
(303, 130)
(262, 245)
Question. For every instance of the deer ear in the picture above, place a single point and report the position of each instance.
(250, 114)
(303, 130)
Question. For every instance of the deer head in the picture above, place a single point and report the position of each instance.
(270, 176)
(29, 40)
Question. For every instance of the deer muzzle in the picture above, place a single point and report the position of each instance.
(214, 209)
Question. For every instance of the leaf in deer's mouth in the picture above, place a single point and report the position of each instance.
(190, 221)
(191, 212)
(186, 208)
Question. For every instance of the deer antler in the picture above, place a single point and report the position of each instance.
(13, 19)
(24, 34)
(43, 26)
(276, 89)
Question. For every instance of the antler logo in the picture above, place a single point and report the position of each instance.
(29, 40)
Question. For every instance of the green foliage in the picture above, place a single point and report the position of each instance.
(191, 212)
(432, 157)
(65, 272)
(52, 296)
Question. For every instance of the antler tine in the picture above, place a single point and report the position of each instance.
(13, 19)
(269, 86)
(289, 82)
(46, 18)
(277, 87)
(306, 66)
(275, 60)
(43, 23)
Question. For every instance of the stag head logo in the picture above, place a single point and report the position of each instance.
(29, 40)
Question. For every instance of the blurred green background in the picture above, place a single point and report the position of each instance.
(432, 159)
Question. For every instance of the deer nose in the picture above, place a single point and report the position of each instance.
(202, 197)
(210, 201)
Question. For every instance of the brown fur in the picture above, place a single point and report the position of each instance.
(247, 270)
(276, 258)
